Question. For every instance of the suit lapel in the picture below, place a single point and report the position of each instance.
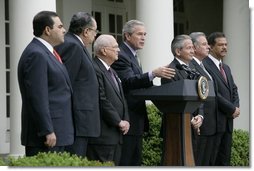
(132, 57)
(109, 79)
(213, 69)
(181, 73)
(199, 69)
(55, 61)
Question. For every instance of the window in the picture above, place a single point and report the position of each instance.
(7, 57)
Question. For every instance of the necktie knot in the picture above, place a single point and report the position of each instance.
(57, 56)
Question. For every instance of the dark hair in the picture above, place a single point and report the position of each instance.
(42, 20)
(80, 21)
(211, 38)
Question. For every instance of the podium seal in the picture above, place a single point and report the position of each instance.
(203, 87)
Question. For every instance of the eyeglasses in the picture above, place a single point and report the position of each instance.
(112, 47)
(96, 31)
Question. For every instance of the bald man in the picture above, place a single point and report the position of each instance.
(113, 108)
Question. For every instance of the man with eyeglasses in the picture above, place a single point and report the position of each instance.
(78, 61)
(114, 111)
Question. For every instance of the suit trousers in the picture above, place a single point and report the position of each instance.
(104, 153)
(79, 147)
(204, 150)
(131, 150)
(224, 143)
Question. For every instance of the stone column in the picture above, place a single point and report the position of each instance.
(236, 26)
(159, 23)
(21, 33)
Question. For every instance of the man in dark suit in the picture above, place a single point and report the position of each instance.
(182, 49)
(227, 96)
(82, 32)
(45, 89)
(204, 144)
(113, 107)
(130, 72)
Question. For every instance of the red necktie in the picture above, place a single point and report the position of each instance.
(223, 72)
(57, 56)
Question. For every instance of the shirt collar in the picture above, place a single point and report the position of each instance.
(134, 52)
(197, 60)
(181, 62)
(104, 63)
(215, 61)
(45, 43)
(79, 39)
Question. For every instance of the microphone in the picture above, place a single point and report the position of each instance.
(192, 73)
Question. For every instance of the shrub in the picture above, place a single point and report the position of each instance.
(2, 163)
(152, 143)
(240, 148)
(55, 159)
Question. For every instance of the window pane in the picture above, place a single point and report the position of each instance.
(119, 19)
(6, 4)
(97, 16)
(7, 106)
(7, 36)
(7, 82)
(7, 60)
(111, 22)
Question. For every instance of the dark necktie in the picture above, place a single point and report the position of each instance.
(57, 56)
(223, 72)
(203, 67)
(113, 78)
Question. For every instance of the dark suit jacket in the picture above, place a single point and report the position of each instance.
(227, 95)
(180, 75)
(208, 126)
(113, 107)
(85, 86)
(133, 78)
(46, 97)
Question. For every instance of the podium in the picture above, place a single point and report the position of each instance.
(176, 100)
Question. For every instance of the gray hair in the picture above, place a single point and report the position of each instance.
(194, 37)
(102, 41)
(177, 42)
(129, 26)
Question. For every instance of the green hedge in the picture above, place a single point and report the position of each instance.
(54, 159)
(2, 163)
(152, 143)
(240, 148)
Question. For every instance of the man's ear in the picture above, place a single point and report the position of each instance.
(103, 51)
(177, 51)
(47, 30)
(85, 31)
(127, 36)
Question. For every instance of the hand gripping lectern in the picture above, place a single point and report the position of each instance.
(177, 100)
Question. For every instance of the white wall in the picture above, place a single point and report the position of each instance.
(66, 9)
(236, 26)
